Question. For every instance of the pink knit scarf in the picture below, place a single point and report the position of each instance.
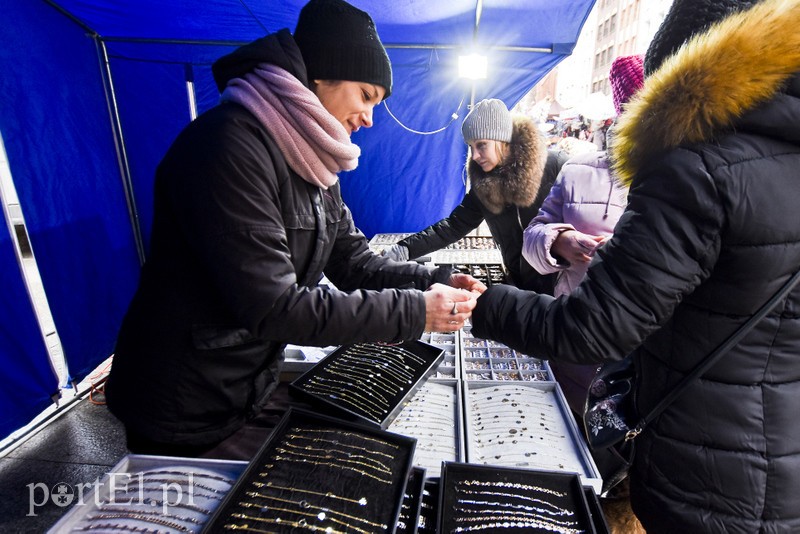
(316, 146)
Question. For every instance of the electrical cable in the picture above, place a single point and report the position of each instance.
(453, 117)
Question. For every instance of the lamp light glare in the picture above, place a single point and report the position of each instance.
(472, 67)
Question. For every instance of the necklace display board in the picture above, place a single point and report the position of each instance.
(151, 494)
(491, 499)
(321, 474)
(433, 416)
(368, 381)
(525, 425)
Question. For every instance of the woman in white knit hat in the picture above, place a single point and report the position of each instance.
(510, 172)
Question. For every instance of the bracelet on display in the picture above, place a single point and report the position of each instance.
(133, 516)
(321, 516)
(330, 495)
(318, 510)
(160, 513)
(512, 485)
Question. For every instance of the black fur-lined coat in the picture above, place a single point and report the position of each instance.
(711, 149)
(507, 198)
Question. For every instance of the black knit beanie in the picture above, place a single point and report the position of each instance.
(685, 19)
(340, 42)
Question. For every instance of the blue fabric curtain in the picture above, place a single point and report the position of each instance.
(27, 379)
(64, 149)
(61, 151)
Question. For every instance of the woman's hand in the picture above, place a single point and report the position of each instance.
(446, 308)
(574, 247)
(468, 282)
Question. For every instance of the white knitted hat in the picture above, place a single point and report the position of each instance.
(488, 119)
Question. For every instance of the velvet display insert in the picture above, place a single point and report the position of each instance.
(322, 474)
(368, 382)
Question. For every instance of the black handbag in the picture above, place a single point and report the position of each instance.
(610, 414)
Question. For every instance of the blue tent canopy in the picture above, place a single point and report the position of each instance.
(95, 91)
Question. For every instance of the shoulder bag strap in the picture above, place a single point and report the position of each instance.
(712, 358)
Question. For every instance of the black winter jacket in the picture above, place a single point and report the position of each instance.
(711, 148)
(507, 198)
(239, 245)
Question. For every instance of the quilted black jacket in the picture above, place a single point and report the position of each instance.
(711, 149)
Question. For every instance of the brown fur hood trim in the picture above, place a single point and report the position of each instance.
(711, 81)
(515, 181)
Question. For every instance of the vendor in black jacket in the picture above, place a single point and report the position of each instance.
(248, 216)
(510, 172)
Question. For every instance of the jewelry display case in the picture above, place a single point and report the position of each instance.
(525, 425)
(368, 381)
(322, 474)
(433, 416)
(151, 494)
(495, 499)
(491, 360)
(412, 502)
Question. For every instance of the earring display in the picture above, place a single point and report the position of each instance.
(368, 381)
(470, 249)
(433, 417)
(490, 360)
(524, 425)
(450, 367)
(496, 499)
(153, 494)
(320, 474)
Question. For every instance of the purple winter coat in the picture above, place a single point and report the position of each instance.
(585, 198)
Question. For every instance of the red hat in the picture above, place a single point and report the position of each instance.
(626, 77)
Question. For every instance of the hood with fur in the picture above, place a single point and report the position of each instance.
(517, 179)
(711, 82)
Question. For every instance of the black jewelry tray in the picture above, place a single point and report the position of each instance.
(412, 502)
(537, 501)
(344, 384)
(317, 472)
(596, 511)
(429, 511)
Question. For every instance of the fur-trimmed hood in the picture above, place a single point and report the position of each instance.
(710, 83)
(517, 179)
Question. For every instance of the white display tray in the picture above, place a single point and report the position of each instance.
(544, 436)
(185, 507)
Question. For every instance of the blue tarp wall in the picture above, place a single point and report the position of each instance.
(94, 91)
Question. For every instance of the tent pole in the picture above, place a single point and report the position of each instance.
(119, 145)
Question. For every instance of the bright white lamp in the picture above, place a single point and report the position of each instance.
(472, 66)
